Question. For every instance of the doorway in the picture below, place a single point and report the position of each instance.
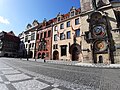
(55, 55)
(75, 54)
(100, 59)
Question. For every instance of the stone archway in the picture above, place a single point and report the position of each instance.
(55, 55)
(75, 54)
(39, 55)
(43, 55)
(100, 59)
(75, 51)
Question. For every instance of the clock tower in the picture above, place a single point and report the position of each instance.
(97, 26)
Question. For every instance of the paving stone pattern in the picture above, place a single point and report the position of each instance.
(12, 79)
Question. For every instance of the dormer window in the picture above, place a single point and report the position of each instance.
(29, 26)
(44, 22)
(72, 13)
(35, 23)
(58, 19)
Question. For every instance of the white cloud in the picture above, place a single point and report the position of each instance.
(4, 20)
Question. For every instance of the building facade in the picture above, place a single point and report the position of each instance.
(89, 35)
(66, 41)
(98, 23)
(44, 40)
(30, 38)
(9, 44)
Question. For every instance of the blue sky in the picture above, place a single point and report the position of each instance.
(16, 14)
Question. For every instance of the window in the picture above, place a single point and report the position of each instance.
(63, 50)
(72, 13)
(29, 45)
(26, 38)
(49, 33)
(62, 36)
(68, 24)
(62, 26)
(44, 34)
(32, 44)
(41, 35)
(47, 54)
(55, 28)
(58, 19)
(26, 45)
(68, 35)
(37, 36)
(55, 37)
(55, 46)
(33, 36)
(77, 21)
(77, 32)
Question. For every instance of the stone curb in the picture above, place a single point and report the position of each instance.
(108, 66)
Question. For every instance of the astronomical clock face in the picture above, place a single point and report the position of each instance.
(100, 46)
(99, 31)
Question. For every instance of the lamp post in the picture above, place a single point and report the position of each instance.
(28, 50)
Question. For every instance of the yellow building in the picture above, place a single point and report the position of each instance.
(66, 43)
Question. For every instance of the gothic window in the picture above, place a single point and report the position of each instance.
(55, 37)
(49, 33)
(44, 34)
(33, 36)
(41, 35)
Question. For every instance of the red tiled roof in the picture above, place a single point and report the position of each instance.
(78, 10)
(11, 37)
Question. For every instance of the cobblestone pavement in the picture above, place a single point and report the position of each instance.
(25, 75)
(13, 79)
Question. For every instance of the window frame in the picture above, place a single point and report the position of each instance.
(68, 24)
(77, 21)
(62, 26)
(62, 36)
(55, 37)
(76, 33)
(68, 37)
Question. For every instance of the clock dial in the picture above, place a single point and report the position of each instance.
(99, 31)
(100, 45)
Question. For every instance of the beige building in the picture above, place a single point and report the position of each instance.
(66, 42)
(99, 23)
